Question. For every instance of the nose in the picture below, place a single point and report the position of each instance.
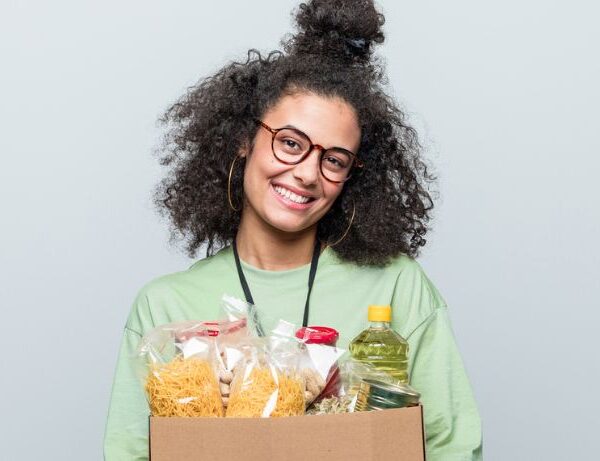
(308, 170)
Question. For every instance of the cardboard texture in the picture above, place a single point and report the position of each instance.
(367, 436)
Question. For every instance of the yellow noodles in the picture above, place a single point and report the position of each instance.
(187, 388)
(248, 399)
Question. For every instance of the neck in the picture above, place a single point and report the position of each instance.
(271, 249)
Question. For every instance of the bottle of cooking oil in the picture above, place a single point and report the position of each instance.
(381, 346)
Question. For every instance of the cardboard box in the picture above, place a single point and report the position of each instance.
(373, 435)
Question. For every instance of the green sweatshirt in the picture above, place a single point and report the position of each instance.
(340, 297)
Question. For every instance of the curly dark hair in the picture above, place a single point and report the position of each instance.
(331, 55)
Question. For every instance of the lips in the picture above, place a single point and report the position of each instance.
(290, 199)
(299, 192)
(295, 195)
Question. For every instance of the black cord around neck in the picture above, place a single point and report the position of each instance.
(311, 277)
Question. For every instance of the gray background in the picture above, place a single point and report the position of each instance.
(505, 96)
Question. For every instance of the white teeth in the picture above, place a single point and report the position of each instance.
(290, 195)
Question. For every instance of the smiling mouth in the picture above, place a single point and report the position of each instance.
(286, 193)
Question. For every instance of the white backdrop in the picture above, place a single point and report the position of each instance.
(505, 96)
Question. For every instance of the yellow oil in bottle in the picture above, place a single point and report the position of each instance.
(381, 346)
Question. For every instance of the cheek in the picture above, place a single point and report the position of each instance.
(332, 191)
(265, 166)
(259, 170)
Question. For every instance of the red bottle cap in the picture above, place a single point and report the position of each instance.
(318, 335)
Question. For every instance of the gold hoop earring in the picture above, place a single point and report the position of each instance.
(348, 228)
(229, 185)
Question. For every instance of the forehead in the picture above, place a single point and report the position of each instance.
(328, 121)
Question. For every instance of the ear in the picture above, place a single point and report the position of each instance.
(243, 151)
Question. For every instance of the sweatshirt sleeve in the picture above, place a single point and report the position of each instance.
(126, 435)
(452, 423)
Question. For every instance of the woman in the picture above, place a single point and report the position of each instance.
(306, 176)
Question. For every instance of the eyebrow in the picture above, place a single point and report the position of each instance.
(304, 133)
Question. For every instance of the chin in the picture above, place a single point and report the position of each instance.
(290, 228)
(289, 225)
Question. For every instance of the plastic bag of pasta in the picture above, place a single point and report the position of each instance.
(178, 364)
(267, 381)
(318, 352)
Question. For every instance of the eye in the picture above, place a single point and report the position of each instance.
(334, 161)
(291, 144)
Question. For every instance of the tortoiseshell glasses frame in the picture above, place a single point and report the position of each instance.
(291, 146)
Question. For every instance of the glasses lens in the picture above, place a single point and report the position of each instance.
(290, 145)
(336, 164)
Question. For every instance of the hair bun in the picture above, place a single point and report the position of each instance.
(341, 29)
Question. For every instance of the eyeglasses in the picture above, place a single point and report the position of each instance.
(292, 146)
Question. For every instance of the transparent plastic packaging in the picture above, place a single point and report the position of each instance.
(229, 367)
(181, 367)
(233, 309)
(351, 375)
(319, 363)
(181, 378)
(267, 381)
